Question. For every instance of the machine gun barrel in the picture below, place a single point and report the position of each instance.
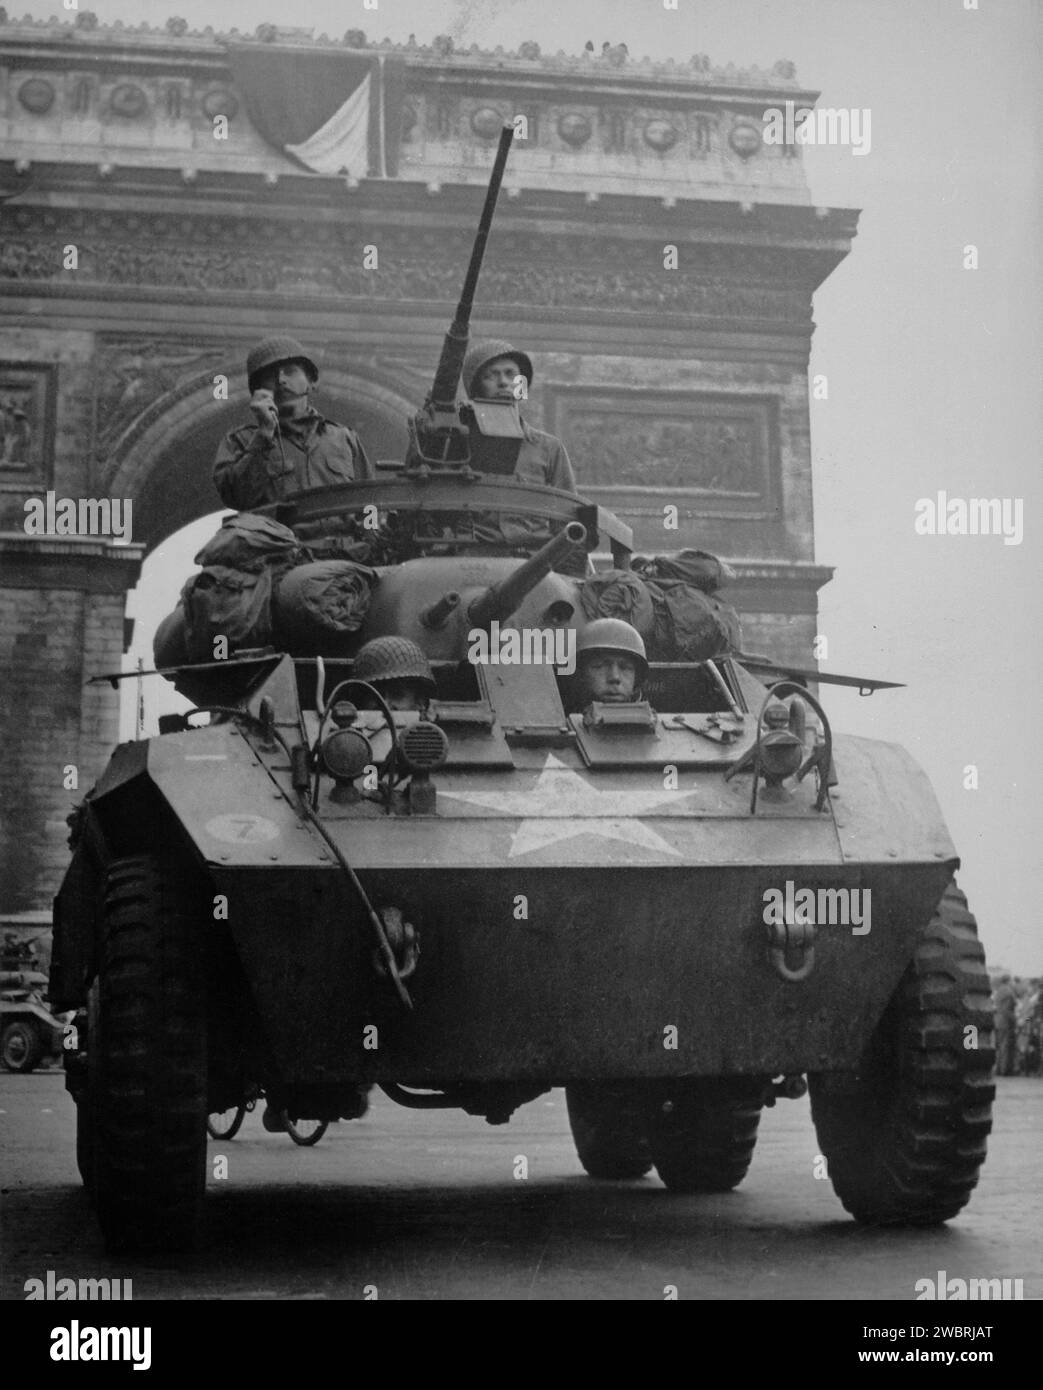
(22, 979)
(499, 601)
(454, 348)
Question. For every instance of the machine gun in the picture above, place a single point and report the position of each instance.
(488, 435)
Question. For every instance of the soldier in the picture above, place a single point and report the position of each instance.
(1005, 1000)
(611, 665)
(491, 370)
(399, 670)
(290, 448)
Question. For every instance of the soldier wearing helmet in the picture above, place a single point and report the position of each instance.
(492, 371)
(290, 448)
(399, 670)
(611, 666)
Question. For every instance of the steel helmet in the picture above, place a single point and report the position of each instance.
(488, 350)
(279, 349)
(614, 635)
(393, 659)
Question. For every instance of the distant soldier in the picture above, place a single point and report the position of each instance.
(611, 666)
(492, 371)
(290, 448)
(1028, 1017)
(1005, 1000)
(19, 442)
(399, 670)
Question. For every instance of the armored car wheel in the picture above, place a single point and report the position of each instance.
(85, 1143)
(606, 1128)
(225, 1124)
(702, 1133)
(147, 1059)
(905, 1136)
(85, 1096)
(305, 1132)
(21, 1046)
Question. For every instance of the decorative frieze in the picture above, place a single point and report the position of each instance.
(225, 255)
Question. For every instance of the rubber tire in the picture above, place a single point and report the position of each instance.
(299, 1137)
(85, 1143)
(606, 1128)
(21, 1047)
(233, 1129)
(147, 1059)
(705, 1141)
(85, 1097)
(905, 1136)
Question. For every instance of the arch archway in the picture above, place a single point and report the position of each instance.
(166, 460)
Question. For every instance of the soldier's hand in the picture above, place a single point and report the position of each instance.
(265, 412)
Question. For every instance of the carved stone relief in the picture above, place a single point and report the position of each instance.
(131, 374)
(685, 443)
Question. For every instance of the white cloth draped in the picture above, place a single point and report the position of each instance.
(341, 146)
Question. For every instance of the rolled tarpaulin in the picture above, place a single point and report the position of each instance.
(319, 607)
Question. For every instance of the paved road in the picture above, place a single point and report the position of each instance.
(426, 1205)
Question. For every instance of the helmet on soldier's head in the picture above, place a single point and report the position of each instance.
(614, 635)
(393, 659)
(278, 349)
(488, 350)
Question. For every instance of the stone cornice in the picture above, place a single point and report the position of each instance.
(175, 41)
(63, 197)
(87, 563)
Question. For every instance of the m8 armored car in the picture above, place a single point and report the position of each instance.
(679, 907)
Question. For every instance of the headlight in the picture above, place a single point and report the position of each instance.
(346, 754)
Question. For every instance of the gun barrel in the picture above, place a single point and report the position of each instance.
(437, 614)
(21, 979)
(499, 601)
(454, 348)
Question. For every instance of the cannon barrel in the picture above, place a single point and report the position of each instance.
(499, 601)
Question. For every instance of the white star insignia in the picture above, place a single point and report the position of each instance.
(562, 795)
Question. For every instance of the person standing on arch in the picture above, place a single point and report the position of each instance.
(290, 448)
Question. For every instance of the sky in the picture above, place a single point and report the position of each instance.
(933, 369)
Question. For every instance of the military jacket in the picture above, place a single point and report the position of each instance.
(542, 459)
(251, 471)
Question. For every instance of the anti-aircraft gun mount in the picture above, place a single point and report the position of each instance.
(247, 901)
(484, 435)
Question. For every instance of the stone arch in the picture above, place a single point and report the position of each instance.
(165, 459)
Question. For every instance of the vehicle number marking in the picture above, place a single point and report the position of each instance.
(243, 828)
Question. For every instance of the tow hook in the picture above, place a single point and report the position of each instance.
(404, 940)
(792, 941)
